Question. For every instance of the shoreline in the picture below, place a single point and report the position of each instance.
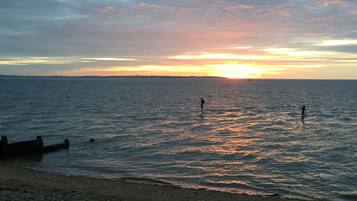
(20, 183)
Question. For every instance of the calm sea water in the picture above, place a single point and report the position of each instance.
(250, 139)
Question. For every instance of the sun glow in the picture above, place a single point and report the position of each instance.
(248, 62)
(237, 70)
(227, 70)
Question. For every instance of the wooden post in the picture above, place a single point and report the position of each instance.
(3, 140)
(66, 143)
(3, 145)
(39, 142)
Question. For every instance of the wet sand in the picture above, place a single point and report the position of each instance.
(18, 183)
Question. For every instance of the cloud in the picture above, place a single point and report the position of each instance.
(107, 59)
(76, 34)
(337, 42)
(58, 60)
(330, 2)
(221, 56)
(35, 60)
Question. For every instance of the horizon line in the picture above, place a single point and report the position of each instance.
(158, 76)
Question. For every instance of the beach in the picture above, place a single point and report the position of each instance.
(19, 183)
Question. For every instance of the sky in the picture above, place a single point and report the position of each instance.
(290, 39)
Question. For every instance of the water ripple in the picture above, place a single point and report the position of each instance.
(250, 138)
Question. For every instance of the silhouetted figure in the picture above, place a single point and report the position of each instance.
(303, 108)
(202, 103)
(91, 140)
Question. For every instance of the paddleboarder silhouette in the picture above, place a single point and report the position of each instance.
(202, 103)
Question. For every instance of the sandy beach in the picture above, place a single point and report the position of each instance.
(18, 183)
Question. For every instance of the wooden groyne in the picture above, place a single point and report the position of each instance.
(28, 147)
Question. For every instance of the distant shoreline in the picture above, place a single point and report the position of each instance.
(168, 77)
(18, 183)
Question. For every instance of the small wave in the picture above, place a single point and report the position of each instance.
(145, 181)
(232, 184)
(346, 196)
(345, 118)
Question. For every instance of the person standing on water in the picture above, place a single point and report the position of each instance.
(303, 110)
(202, 103)
(303, 113)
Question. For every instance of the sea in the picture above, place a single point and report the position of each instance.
(249, 139)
